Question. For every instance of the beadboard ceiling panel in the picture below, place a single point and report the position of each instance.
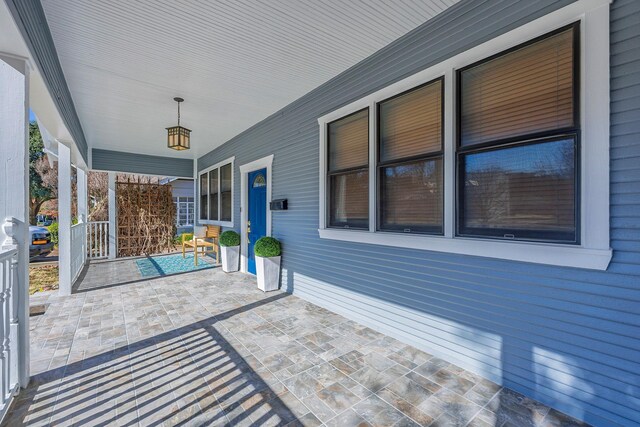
(235, 62)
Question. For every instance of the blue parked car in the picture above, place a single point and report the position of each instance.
(41, 243)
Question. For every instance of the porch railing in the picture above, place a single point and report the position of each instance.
(8, 325)
(78, 249)
(98, 239)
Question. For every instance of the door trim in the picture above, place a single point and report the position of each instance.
(263, 163)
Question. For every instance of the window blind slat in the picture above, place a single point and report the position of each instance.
(349, 141)
(525, 91)
(213, 195)
(411, 124)
(349, 200)
(225, 192)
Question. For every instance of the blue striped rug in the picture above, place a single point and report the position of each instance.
(163, 265)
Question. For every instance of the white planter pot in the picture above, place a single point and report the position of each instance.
(230, 256)
(268, 272)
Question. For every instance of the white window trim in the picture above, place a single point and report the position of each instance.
(594, 251)
(186, 203)
(210, 168)
(263, 163)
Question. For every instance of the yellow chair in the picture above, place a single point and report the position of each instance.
(212, 232)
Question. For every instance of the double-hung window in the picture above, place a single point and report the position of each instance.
(348, 171)
(410, 161)
(499, 151)
(518, 140)
(184, 211)
(216, 194)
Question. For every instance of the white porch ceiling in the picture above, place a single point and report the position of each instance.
(235, 62)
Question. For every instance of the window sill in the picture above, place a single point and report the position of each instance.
(540, 253)
(220, 223)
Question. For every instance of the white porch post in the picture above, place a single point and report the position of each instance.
(14, 189)
(113, 222)
(64, 219)
(82, 205)
(82, 195)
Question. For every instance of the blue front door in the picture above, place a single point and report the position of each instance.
(257, 225)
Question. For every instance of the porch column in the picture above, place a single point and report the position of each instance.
(82, 195)
(113, 222)
(64, 219)
(14, 191)
(82, 206)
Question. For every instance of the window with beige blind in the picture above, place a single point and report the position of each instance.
(518, 139)
(225, 192)
(348, 171)
(214, 191)
(204, 198)
(483, 152)
(410, 161)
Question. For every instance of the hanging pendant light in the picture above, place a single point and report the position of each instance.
(178, 137)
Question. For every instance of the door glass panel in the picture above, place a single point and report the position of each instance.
(259, 181)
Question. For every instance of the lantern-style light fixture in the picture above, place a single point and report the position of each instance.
(178, 137)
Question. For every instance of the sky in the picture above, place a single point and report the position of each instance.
(32, 116)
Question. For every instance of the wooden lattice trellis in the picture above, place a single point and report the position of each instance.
(146, 218)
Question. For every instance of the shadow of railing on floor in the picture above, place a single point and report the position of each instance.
(191, 374)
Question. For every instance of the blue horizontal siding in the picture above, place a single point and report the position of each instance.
(567, 337)
(118, 161)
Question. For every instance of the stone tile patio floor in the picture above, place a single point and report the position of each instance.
(208, 348)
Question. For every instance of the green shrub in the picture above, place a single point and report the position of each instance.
(178, 239)
(267, 247)
(229, 238)
(53, 230)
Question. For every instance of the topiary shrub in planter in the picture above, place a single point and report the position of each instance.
(230, 250)
(267, 251)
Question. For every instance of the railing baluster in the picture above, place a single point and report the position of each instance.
(9, 344)
(4, 335)
(97, 239)
(103, 248)
(105, 237)
(14, 321)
